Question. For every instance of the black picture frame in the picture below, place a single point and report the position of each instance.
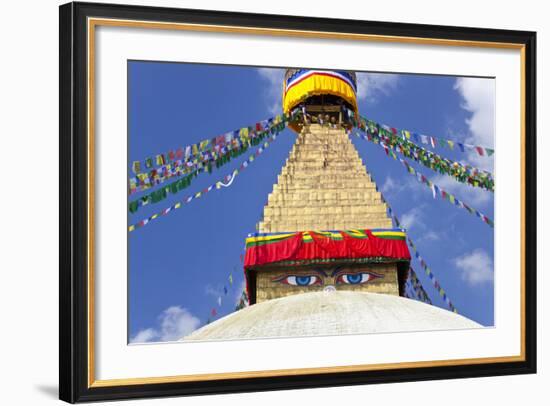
(74, 385)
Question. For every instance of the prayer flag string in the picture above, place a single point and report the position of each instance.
(436, 190)
(432, 277)
(225, 182)
(162, 193)
(205, 155)
(423, 264)
(418, 288)
(435, 142)
(412, 275)
(466, 174)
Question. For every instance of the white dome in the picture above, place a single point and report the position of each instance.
(331, 313)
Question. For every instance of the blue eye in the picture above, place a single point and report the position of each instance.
(356, 278)
(353, 279)
(299, 280)
(303, 280)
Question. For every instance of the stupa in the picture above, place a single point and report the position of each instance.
(325, 259)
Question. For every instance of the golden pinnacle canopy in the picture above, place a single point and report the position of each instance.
(301, 84)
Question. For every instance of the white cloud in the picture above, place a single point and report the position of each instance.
(370, 86)
(476, 267)
(429, 236)
(412, 218)
(144, 336)
(389, 185)
(479, 99)
(392, 187)
(478, 95)
(274, 92)
(175, 322)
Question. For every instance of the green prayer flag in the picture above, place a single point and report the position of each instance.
(133, 206)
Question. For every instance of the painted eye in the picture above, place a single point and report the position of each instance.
(356, 278)
(300, 280)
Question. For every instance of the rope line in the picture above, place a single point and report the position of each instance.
(216, 186)
(436, 190)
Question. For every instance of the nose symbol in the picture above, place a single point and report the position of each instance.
(329, 288)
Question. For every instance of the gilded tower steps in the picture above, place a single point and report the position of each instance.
(324, 185)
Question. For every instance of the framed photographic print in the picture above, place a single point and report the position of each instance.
(257, 202)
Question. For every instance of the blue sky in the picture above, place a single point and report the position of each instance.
(179, 264)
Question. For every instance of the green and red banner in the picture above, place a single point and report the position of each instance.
(319, 246)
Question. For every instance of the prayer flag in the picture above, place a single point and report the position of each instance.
(136, 166)
(133, 206)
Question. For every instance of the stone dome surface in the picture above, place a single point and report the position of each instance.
(331, 313)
